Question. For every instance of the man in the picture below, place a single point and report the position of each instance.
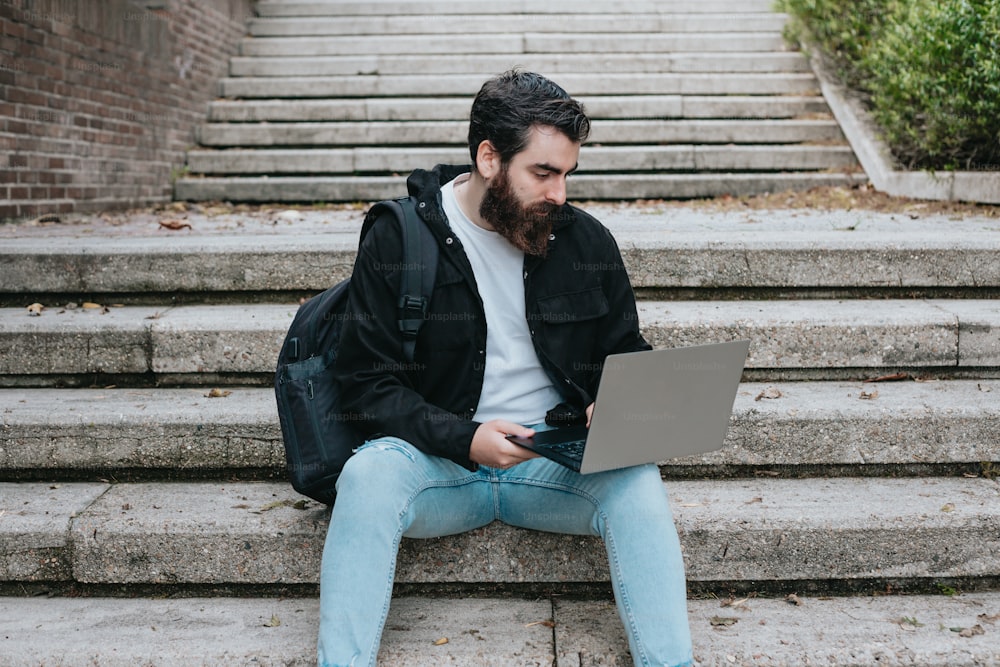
(530, 297)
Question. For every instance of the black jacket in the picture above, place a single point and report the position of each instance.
(579, 306)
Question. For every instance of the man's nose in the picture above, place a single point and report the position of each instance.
(556, 193)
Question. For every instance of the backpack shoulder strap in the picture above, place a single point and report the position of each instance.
(420, 255)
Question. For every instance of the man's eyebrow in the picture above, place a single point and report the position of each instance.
(545, 166)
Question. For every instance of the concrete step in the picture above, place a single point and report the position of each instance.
(817, 336)
(665, 247)
(861, 428)
(378, 27)
(893, 631)
(517, 44)
(487, 64)
(657, 53)
(466, 85)
(563, 7)
(604, 132)
(823, 338)
(585, 186)
(599, 108)
(861, 532)
(684, 158)
(696, 186)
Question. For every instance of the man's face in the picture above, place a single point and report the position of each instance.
(524, 193)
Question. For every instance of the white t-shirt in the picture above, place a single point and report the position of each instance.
(515, 387)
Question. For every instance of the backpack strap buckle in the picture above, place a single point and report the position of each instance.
(412, 313)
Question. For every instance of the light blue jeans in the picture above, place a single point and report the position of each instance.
(389, 489)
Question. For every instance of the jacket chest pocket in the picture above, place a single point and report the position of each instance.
(573, 307)
(451, 320)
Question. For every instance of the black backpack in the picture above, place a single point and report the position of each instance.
(318, 437)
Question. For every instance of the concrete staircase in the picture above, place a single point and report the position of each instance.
(338, 101)
(144, 518)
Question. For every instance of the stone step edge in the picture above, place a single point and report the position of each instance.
(485, 64)
(742, 23)
(662, 247)
(517, 44)
(916, 631)
(449, 134)
(466, 85)
(614, 187)
(761, 530)
(824, 335)
(598, 108)
(284, 8)
(681, 158)
(848, 425)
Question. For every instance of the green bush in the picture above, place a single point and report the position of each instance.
(930, 68)
(842, 30)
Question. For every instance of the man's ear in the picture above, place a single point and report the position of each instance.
(487, 159)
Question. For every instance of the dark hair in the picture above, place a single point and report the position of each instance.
(508, 105)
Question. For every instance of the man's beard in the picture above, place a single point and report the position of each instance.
(527, 228)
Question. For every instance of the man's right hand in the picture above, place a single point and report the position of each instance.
(490, 446)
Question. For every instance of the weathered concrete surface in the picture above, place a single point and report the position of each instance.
(198, 533)
(101, 430)
(225, 339)
(418, 7)
(638, 22)
(757, 530)
(486, 64)
(662, 246)
(840, 632)
(910, 631)
(814, 334)
(85, 340)
(34, 529)
(679, 157)
(812, 424)
(979, 330)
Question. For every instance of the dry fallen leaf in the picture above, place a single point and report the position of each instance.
(270, 506)
(770, 392)
(989, 619)
(273, 623)
(35, 309)
(218, 393)
(754, 500)
(547, 624)
(175, 225)
(948, 507)
(890, 378)
(441, 642)
(866, 396)
(723, 621)
(792, 598)
(731, 602)
(969, 632)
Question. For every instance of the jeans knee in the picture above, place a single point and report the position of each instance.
(645, 493)
(376, 465)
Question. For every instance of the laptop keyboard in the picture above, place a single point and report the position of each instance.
(572, 449)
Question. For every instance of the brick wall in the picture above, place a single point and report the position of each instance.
(99, 98)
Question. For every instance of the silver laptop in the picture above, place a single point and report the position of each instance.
(652, 406)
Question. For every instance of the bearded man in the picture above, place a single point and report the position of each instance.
(530, 297)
